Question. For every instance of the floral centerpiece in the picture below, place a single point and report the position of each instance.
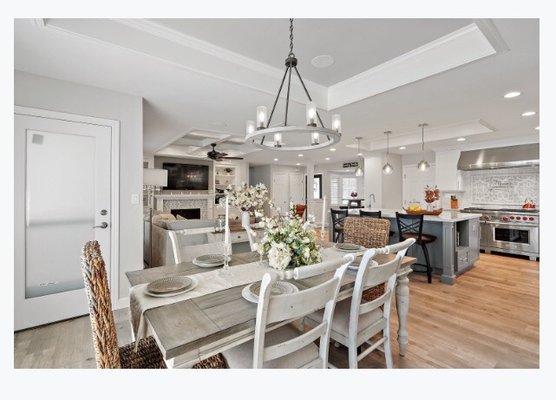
(288, 242)
(250, 199)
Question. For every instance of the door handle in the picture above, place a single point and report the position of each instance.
(104, 225)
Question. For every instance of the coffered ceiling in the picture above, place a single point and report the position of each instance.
(201, 79)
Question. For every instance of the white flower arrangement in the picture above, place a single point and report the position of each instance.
(248, 198)
(289, 242)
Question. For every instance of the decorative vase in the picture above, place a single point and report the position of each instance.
(245, 218)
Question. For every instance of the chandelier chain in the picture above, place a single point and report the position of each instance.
(291, 36)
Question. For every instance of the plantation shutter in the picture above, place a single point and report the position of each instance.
(335, 197)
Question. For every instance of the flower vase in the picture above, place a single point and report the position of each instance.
(245, 219)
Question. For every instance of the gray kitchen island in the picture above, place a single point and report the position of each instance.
(457, 243)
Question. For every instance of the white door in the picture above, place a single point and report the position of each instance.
(414, 182)
(62, 200)
(280, 191)
(297, 188)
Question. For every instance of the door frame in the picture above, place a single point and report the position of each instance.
(114, 126)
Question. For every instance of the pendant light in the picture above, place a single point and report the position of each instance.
(387, 169)
(285, 136)
(423, 164)
(359, 170)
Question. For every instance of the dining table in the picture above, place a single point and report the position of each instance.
(197, 328)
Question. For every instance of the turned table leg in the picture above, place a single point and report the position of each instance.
(402, 308)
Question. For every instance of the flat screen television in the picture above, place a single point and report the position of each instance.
(187, 176)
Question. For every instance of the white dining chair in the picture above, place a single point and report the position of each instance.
(355, 323)
(285, 346)
(252, 236)
(183, 251)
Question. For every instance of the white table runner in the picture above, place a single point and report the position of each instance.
(207, 283)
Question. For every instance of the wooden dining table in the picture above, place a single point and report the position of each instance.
(195, 329)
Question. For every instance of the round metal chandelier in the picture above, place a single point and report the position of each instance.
(291, 137)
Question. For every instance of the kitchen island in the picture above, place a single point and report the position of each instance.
(457, 243)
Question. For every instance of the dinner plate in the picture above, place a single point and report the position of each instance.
(191, 286)
(349, 247)
(251, 292)
(169, 284)
(209, 260)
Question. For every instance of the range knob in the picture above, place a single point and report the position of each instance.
(518, 218)
(531, 219)
(505, 219)
(511, 217)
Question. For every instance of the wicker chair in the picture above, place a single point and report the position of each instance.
(371, 233)
(105, 340)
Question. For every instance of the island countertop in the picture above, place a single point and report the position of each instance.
(446, 216)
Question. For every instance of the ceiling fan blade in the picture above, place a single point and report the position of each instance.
(233, 158)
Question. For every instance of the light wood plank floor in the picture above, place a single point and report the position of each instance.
(488, 319)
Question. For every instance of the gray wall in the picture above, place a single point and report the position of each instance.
(57, 95)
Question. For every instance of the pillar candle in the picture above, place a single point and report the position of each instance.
(323, 215)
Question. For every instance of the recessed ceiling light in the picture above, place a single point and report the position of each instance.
(275, 159)
(511, 95)
(332, 149)
(322, 61)
(297, 164)
(538, 127)
(461, 139)
(300, 155)
(402, 147)
(327, 158)
(360, 154)
(528, 113)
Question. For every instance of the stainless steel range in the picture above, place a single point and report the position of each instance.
(507, 230)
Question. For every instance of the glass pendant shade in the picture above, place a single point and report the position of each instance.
(423, 165)
(359, 171)
(262, 115)
(249, 127)
(387, 169)
(336, 122)
(311, 114)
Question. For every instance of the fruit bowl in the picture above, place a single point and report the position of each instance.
(423, 212)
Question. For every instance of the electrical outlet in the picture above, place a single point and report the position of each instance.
(134, 198)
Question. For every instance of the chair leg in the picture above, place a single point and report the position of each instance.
(429, 268)
(352, 356)
(387, 348)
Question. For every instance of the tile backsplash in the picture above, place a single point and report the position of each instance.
(500, 187)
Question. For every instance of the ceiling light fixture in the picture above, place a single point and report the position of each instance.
(300, 155)
(528, 113)
(275, 159)
(423, 164)
(511, 95)
(322, 61)
(359, 170)
(387, 169)
(332, 149)
(537, 128)
(259, 131)
(327, 158)
(402, 147)
(461, 139)
(298, 164)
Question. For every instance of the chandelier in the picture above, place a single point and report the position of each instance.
(313, 135)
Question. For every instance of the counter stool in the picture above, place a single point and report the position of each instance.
(411, 226)
(338, 217)
(374, 214)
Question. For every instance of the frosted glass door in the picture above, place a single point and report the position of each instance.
(63, 198)
(60, 210)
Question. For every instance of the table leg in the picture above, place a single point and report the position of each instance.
(402, 308)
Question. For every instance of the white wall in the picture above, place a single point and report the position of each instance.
(56, 95)
(372, 179)
(392, 184)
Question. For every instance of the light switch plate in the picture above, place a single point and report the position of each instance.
(134, 198)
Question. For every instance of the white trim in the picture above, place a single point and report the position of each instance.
(447, 52)
(114, 181)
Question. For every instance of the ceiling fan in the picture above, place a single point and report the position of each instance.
(218, 156)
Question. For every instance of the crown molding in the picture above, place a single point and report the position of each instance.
(447, 52)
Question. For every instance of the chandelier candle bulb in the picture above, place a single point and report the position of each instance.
(311, 113)
(250, 127)
(262, 114)
(277, 140)
(336, 122)
(315, 138)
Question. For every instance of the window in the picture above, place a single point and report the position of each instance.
(335, 190)
(341, 187)
(349, 185)
(317, 186)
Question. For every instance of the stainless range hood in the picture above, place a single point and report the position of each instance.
(500, 157)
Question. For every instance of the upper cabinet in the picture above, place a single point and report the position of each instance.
(448, 178)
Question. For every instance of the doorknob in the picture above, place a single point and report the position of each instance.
(104, 225)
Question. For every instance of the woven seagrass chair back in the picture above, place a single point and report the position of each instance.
(105, 339)
(368, 232)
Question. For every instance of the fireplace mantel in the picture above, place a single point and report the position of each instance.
(203, 201)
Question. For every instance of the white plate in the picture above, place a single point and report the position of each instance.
(177, 293)
(281, 288)
(201, 264)
(169, 284)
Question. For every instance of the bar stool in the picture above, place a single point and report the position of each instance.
(411, 226)
(338, 217)
(374, 214)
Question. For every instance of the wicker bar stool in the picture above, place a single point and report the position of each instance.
(374, 214)
(105, 340)
(371, 233)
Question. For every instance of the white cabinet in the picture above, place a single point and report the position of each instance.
(448, 177)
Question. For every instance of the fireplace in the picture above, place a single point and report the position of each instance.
(187, 213)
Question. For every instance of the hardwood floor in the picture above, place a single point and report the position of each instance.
(488, 319)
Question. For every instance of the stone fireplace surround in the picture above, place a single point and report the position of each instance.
(204, 202)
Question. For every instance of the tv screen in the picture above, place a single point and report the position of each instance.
(187, 176)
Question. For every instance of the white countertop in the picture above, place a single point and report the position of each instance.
(446, 216)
